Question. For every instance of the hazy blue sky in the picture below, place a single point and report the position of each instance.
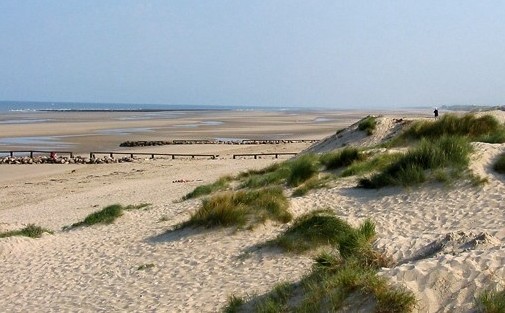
(340, 54)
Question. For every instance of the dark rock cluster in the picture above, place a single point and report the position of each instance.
(63, 160)
(193, 142)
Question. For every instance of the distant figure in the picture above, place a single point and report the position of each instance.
(53, 156)
(436, 113)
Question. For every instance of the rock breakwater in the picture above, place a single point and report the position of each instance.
(214, 142)
(64, 160)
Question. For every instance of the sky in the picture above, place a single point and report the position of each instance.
(334, 54)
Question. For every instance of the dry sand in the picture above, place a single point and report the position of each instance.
(428, 230)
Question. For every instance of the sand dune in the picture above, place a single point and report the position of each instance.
(448, 242)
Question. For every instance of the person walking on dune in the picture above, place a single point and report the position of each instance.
(436, 113)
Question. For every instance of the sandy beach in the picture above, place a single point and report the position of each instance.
(134, 265)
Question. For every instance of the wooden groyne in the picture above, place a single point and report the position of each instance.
(31, 153)
(154, 155)
(101, 157)
(256, 155)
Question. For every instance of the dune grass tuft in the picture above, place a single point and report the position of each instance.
(313, 230)
(409, 170)
(499, 164)
(242, 208)
(345, 157)
(292, 172)
(30, 230)
(302, 169)
(145, 266)
(334, 284)
(260, 179)
(311, 184)
(491, 301)
(376, 163)
(233, 305)
(203, 190)
(368, 124)
(107, 215)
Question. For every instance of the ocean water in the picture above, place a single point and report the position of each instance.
(31, 106)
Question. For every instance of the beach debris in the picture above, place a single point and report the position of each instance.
(454, 243)
(185, 180)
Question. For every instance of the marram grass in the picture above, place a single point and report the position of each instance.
(30, 230)
(447, 152)
(336, 276)
(203, 190)
(107, 215)
(243, 208)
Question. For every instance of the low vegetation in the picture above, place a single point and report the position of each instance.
(370, 165)
(345, 157)
(30, 230)
(491, 301)
(107, 215)
(243, 208)
(337, 278)
(448, 152)
(292, 173)
(485, 128)
(311, 184)
(368, 124)
(221, 184)
(499, 164)
(320, 228)
(145, 266)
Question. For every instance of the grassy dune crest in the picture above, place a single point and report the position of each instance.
(447, 152)
(368, 124)
(485, 128)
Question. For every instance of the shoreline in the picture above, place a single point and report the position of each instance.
(88, 131)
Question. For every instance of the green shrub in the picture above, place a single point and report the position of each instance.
(345, 157)
(409, 170)
(221, 184)
(242, 208)
(368, 124)
(491, 301)
(30, 230)
(499, 164)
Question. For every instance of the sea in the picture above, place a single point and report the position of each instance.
(35, 106)
(31, 112)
